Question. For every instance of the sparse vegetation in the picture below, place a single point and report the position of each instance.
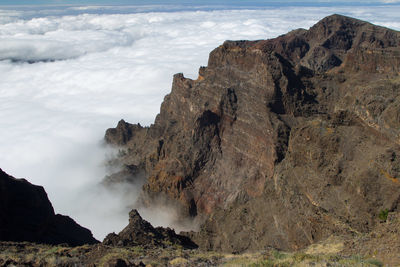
(279, 255)
(178, 261)
(100, 255)
(383, 214)
(302, 259)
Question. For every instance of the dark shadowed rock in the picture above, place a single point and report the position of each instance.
(142, 233)
(26, 214)
(116, 263)
(280, 142)
(122, 133)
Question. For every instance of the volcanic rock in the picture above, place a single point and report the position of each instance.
(139, 232)
(279, 142)
(26, 214)
(383, 242)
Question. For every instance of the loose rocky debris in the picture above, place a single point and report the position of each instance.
(35, 255)
(141, 233)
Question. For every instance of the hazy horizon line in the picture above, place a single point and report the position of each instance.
(208, 3)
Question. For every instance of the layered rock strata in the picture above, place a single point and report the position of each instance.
(279, 142)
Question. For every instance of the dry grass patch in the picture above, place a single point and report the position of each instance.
(179, 262)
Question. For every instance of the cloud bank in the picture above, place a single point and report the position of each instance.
(91, 70)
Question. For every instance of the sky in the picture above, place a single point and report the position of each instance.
(68, 73)
(194, 2)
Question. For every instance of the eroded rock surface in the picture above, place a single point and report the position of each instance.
(140, 232)
(383, 242)
(26, 214)
(279, 142)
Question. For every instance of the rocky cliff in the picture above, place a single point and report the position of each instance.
(279, 142)
(26, 214)
(141, 233)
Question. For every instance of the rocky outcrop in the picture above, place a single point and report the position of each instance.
(26, 214)
(279, 142)
(383, 242)
(141, 233)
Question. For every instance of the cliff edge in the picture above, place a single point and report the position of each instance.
(26, 214)
(279, 143)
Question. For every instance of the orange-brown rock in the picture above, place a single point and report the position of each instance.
(280, 142)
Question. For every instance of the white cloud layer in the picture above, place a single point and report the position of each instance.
(94, 69)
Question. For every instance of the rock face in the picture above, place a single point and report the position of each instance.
(26, 214)
(279, 142)
(140, 232)
(383, 242)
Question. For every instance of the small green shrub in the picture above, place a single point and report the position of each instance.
(299, 257)
(279, 255)
(383, 214)
(375, 262)
(52, 250)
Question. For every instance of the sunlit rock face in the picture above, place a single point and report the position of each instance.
(279, 142)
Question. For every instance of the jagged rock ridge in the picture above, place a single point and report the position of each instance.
(279, 142)
(141, 233)
(26, 214)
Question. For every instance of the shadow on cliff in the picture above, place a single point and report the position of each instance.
(125, 182)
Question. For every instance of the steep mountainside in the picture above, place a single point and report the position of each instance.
(26, 214)
(279, 142)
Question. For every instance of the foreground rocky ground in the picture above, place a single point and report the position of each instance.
(381, 247)
(28, 254)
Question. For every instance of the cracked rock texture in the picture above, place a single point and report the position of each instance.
(279, 143)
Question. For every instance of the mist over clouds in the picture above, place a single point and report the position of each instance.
(67, 77)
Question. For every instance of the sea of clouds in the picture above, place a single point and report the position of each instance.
(69, 73)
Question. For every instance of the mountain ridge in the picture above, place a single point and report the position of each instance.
(264, 115)
(285, 144)
(26, 214)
